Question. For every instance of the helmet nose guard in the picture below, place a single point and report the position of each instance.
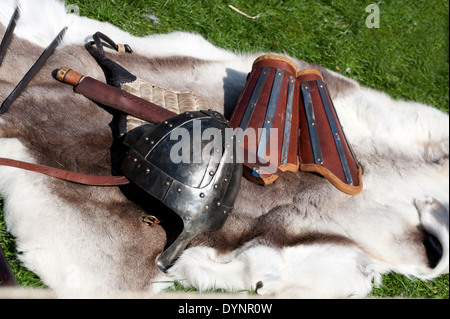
(201, 190)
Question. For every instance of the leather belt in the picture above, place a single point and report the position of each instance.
(92, 180)
(32, 71)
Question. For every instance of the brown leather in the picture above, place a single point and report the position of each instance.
(92, 180)
(122, 101)
(331, 168)
(269, 65)
(113, 97)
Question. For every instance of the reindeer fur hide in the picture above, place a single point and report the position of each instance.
(299, 238)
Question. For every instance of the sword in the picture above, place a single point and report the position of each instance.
(32, 71)
(8, 34)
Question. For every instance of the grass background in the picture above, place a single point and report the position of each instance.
(406, 57)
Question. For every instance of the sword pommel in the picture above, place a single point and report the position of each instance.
(69, 76)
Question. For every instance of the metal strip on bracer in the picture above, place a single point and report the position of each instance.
(252, 103)
(268, 120)
(335, 132)
(288, 121)
(313, 133)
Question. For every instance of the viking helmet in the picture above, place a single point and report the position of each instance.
(201, 190)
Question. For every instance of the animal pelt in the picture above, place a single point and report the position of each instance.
(298, 238)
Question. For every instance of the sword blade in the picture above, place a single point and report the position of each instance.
(8, 34)
(32, 71)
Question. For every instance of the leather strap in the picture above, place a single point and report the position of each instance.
(115, 74)
(92, 180)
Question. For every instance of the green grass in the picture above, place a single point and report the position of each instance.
(406, 57)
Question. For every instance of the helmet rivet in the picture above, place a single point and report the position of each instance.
(147, 171)
(206, 207)
(134, 159)
(211, 173)
(167, 183)
(215, 186)
(202, 195)
(218, 204)
(179, 190)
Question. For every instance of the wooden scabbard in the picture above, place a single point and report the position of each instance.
(113, 97)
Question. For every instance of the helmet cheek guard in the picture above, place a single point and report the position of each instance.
(200, 185)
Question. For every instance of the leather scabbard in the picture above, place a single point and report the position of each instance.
(113, 97)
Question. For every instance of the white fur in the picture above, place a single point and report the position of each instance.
(292, 272)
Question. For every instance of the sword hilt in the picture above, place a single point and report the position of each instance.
(69, 76)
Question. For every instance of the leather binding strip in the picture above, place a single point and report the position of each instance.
(92, 180)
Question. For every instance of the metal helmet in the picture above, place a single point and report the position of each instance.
(197, 177)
